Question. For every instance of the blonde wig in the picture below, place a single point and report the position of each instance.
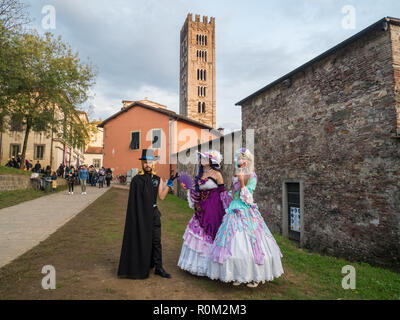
(242, 155)
(153, 168)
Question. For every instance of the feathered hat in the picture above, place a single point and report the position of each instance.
(213, 155)
(243, 154)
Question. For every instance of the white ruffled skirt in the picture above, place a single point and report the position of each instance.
(241, 265)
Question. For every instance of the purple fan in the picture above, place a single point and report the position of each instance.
(186, 179)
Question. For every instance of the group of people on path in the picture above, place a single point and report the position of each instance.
(226, 238)
(86, 175)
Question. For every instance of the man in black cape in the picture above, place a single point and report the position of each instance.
(141, 246)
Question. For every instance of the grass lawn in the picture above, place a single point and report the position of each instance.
(11, 198)
(85, 253)
(8, 170)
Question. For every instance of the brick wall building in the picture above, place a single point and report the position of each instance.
(328, 150)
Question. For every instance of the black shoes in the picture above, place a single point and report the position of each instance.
(162, 273)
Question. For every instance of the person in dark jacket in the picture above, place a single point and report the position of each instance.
(102, 174)
(37, 167)
(108, 176)
(70, 176)
(141, 245)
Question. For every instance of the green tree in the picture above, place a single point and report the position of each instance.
(43, 79)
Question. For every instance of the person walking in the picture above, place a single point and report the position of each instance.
(94, 177)
(83, 177)
(71, 180)
(102, 174)
(108, 176)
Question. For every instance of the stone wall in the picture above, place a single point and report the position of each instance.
(226, 145)
(14, 182)
(332, 128)
(10, 182)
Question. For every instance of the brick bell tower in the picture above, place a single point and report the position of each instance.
(197, 70)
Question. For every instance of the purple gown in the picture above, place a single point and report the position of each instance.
(209, 205)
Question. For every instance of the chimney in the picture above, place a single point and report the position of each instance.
(126, 103)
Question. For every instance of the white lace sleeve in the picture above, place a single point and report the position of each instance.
(189, 199)
(246, 196)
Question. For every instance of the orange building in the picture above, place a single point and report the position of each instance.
(146, 124)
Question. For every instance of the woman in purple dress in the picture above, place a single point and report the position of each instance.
(209, 199)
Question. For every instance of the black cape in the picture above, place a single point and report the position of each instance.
(136, 253)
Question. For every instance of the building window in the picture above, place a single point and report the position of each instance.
(293, 210)
(135, 140)
(156, 136)
(14, 149)
(203, 107)
(39, 151)
(205, 42)
(204, 74)
(96, 163)
(199, 107)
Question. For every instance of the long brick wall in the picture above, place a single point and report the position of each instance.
(20, 182)
(332, 127)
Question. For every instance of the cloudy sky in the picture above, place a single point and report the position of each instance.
(135, 43)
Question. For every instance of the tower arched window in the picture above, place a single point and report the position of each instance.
(205, 56)
(203, 107)
(205, 42)
(197, 39)
(204, 91)
(204, 75)
(199, 107)
(198, 74)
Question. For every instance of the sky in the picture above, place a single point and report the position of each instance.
(134, 44)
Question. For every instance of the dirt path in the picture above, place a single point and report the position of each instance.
(85, 253)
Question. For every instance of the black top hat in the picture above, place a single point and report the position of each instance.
(148, 154)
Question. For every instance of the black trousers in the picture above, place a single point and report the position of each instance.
(70, 186)
(156, 239)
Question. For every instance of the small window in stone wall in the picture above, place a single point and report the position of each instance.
(294, 214)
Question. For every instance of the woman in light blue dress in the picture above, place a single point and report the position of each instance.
(244, 250)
